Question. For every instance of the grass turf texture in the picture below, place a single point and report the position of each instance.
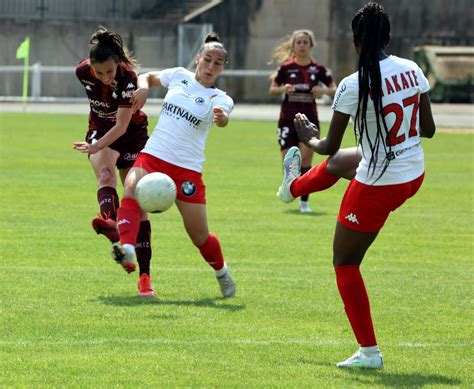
(71, 317)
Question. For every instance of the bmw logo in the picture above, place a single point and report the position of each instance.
(188, 188)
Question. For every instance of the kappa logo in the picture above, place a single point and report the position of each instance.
(123, 221)
(184, 82)
(352, 218)
(130, 85)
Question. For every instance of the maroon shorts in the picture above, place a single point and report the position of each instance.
(189, 184)
(287, 135)
(128, 145)
(365, 208)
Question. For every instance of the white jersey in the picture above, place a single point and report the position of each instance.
(185, 119)
(402, 83)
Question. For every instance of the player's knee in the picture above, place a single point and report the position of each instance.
(107, 177)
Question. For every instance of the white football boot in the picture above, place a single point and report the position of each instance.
(291, 171)
(363, 360)
(124, 255)
(227, 284)
(304, 207)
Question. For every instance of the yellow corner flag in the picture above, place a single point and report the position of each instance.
(23, 52)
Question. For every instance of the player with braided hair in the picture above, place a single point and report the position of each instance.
(115, 136)
(388, 100)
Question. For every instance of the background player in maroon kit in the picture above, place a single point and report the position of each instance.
(302, 80)
(115, 136)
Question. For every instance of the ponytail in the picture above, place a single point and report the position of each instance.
(108, 44)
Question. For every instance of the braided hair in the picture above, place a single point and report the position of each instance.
(371, 30)
(108, 44)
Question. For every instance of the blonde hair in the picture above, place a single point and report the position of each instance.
(284, 50)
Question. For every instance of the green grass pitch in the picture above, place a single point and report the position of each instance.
(71, 318)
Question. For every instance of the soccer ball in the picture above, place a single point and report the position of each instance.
(156, 192)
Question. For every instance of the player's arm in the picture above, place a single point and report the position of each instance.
(220, 117)
(276, 89)
(124, 114)
(309, 133)
(145, 82)
(319, 90)
(427, 124)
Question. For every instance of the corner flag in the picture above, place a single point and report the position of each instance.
(23, 52)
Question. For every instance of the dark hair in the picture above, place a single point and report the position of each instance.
(371, 30)
(213, 40)
(108, 44)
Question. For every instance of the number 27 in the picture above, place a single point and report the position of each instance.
(393, 137)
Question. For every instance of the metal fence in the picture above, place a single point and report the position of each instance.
(50, 83)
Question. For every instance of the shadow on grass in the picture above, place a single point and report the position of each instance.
(400, 379)
(132, 301)
(366, 377)
(311, 214)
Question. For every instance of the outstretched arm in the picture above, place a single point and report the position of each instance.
(309, 133)
(145, 82)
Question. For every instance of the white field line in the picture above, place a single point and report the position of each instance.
(244, 341)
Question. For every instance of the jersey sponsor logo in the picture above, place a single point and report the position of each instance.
(199, 101)
(188, 188)
(302, 87)
(342, 89)
(98, 103)
(130, 156)
(180, 112)
(114, 95)
(127, 94)
(352, 218)
(87, 82)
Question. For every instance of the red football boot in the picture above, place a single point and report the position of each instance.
(106, 227)
(144, 286)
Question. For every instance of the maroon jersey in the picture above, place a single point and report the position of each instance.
(303, 78)
(106, 99)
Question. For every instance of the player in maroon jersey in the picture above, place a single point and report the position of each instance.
(115, 136)
(301, 79)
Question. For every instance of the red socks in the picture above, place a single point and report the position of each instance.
(128, 221)
(356, 303)
(108, 200)
(212, 253)
(315, 180)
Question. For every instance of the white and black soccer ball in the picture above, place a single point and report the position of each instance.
(156, 192)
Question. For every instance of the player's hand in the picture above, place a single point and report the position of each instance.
(85, 147)
(317, 91)
(219, 117)
(307, 132)
(138, 99)
(289, 89)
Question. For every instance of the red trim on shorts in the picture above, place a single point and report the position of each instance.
(189, 184)
(365, 208)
